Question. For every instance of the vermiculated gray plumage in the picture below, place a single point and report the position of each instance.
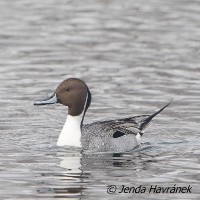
(116, 135)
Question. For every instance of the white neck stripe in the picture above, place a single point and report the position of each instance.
(71, 132)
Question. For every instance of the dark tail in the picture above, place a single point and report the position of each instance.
(145, 122)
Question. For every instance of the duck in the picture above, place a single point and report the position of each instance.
(116, 135)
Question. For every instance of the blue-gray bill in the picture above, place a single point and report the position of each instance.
(50, 100)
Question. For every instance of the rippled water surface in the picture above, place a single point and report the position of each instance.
(134, 56)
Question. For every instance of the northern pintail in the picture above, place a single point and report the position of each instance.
(111, 136)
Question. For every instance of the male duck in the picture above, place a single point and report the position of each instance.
(111, 136)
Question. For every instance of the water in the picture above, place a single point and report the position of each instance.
(134, 56)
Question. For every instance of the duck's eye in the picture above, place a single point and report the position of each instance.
(66, 90)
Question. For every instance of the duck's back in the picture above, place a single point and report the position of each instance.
(114, 135)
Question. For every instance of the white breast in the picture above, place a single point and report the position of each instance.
(71, 132)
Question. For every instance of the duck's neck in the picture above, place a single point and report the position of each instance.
(71, 132)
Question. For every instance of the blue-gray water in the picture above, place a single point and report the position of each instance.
(135, 56)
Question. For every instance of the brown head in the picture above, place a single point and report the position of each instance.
(73, 93)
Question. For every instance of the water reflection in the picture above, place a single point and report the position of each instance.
(82, 175)
(83, 171)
